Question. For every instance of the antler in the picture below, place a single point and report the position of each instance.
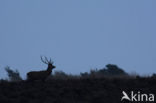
(46, 60)
(51, 61)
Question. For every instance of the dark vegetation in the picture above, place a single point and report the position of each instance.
(13, 75)
(98, 86)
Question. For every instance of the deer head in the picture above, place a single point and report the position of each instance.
(49, 62)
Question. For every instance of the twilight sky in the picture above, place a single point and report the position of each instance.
(78, 34)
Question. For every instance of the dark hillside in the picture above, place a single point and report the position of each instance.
(91, 90)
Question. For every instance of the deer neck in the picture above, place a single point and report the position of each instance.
(49, 70)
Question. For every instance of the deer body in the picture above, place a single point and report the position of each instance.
(41, 75)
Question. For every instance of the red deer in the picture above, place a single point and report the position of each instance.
(41, 75)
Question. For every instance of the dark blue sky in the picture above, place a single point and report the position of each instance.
(78, 34)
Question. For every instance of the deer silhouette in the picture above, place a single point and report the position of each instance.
(41, 75)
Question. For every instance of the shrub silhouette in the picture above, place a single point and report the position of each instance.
(13, 75)
(110, 70)
(153, 75)
(60, 74)
(85, 74)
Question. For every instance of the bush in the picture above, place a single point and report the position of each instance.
(60, 75)
(110, 70)
(113, 70)
(13, 75)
